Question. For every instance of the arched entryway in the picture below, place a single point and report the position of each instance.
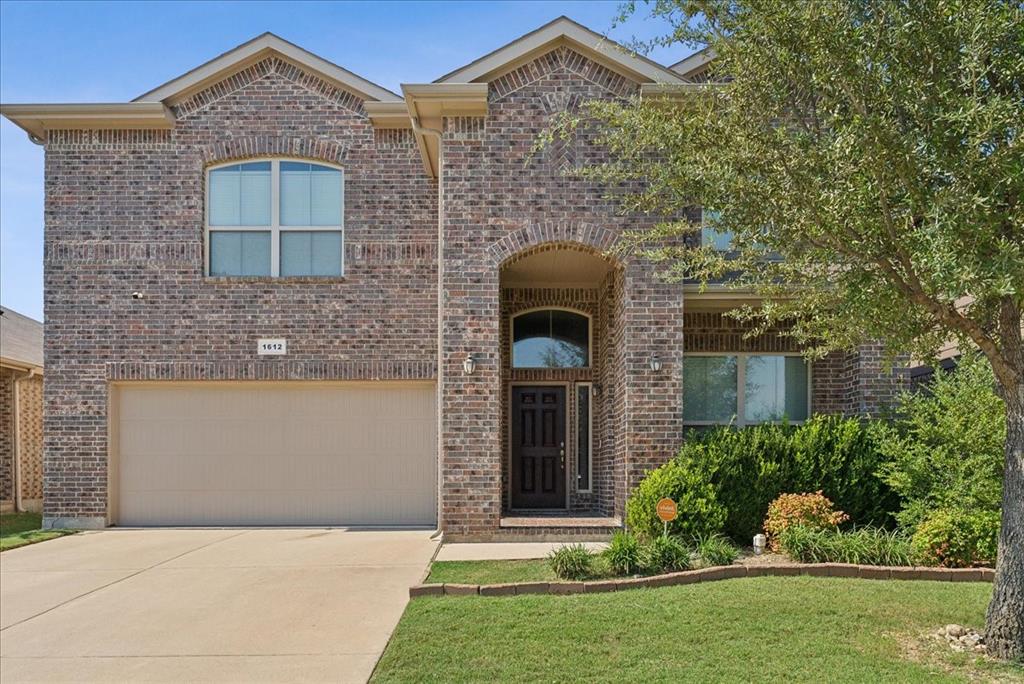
(560, 313)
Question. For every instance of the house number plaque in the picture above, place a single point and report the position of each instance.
(271, 347)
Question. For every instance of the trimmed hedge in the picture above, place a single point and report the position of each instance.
(724, 478)
(956, 538)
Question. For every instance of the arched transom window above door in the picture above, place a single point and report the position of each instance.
(550, 338)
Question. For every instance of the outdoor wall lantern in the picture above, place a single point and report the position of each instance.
(469, 364)
(655, 363)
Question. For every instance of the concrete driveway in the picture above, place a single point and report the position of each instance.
(205, 605)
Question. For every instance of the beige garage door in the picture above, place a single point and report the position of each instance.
(274, 454)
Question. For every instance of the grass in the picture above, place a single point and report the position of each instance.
(763, 629)
(490, 572)
(21, 529)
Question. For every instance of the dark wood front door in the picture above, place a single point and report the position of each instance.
(538, 447)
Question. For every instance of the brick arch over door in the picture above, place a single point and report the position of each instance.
(554, 234)
(315, 149)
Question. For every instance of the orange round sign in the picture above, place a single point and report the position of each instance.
(667, 510)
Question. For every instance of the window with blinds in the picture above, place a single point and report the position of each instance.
(275, 217)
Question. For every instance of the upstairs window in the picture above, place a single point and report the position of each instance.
(550, 338)
(275, 218)
(710, 236)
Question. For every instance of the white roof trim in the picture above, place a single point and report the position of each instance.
(251, 52)
(36, 119)
(604, 50)
(695, 62)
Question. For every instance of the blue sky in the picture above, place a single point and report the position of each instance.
(113, 52)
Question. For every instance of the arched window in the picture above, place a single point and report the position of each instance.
(275, 217)
(550, 338)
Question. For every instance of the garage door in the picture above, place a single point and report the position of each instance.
(274, 454)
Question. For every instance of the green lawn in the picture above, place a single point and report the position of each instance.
(490, 572)
(20, 529)
(752, 629)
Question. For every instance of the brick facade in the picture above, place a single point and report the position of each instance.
(7, 438)
(29, 435)
(124, 213)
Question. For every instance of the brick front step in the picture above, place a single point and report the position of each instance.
(709, 575)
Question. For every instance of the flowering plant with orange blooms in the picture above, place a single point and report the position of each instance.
(815, 511)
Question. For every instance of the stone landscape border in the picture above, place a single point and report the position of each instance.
(713, 574)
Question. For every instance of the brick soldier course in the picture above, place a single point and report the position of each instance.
(437, 211)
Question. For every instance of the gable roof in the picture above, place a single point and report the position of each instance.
(255, 50)
(563, 31)
(21, 340)
(694, 64)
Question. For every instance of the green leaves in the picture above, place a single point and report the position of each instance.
(879, 142)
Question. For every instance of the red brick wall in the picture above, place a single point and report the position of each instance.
(124, 212)
(850, 383)
(29, 433)
(500, 199)
(30, 436)
(7, 436)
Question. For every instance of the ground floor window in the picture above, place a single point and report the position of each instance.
(745, 388)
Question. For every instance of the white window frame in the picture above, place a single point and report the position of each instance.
(512, 337)
(590, 437)
(275, 228)
(739, 418)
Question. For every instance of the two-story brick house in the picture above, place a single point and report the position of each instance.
(277, 293)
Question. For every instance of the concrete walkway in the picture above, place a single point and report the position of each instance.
(505, 550)
(294, 605)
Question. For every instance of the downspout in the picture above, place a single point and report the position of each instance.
(419, 130)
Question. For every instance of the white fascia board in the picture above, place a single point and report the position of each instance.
(604, 50)
(251, 52)
(36, 119)
(695, 62)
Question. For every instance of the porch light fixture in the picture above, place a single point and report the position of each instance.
(655, 363)
(469, 364)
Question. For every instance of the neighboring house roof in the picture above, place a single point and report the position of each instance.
(563, 31)
(21, 340)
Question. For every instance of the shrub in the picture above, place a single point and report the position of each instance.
(572, 562)
(955, 538)
(808, 510)
(944, 448)
(741, 470)
(699, 511)
(863, 546)
(623, 553)
(664, 554)
(715, 549)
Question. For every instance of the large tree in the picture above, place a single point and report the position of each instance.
(867, 157)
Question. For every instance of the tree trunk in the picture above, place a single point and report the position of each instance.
(1004, 629)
